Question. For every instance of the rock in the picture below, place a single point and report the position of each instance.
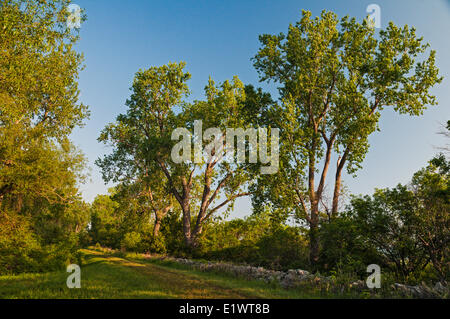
(440, 288)
(420, 291)
(358, 285)
(301, 272)
(403, 289)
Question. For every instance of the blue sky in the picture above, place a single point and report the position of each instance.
(218, 39)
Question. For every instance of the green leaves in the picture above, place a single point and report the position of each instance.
(335, 78)
(39, 95)
(39, 69)
(39, 168)
(408, 226)
(143, 134)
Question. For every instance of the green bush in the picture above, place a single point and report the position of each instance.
(344, 249)
(158, 245)
(283, 248)
(21, 250)
(172, 232)
(19, 247)
(131, 241)
(256, 240)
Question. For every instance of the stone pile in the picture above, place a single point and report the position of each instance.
(296, 277)
(287, 279)
(423, 290)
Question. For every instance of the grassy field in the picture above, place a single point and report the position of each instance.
(109, 276)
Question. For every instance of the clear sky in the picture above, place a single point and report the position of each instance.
(218, 39)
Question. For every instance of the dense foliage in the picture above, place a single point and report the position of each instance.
(41, 210)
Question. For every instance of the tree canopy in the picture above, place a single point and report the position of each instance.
(335, 78)
(40, 169)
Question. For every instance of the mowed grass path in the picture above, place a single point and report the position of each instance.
(108, 276)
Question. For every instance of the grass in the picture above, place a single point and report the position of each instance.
(108, 276)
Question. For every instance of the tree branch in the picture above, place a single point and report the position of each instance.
(212, 211)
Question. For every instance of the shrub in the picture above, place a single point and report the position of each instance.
(131, 241)
(283, 248)
(19, 248)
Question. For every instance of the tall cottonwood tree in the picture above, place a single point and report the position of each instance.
(215, 176)
(39, 167)
(140, 135)
(335, 78)
(39, 104)
(139, 178)
(155, 110)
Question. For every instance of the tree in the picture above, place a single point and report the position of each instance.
(405, 228)
(144, 135)
(39, 167)
(38, 88)
(148, 195)
(387, 222)
(137, 135)
(141, 183)
(431, 186)
(335, 78)
(105, 222)
(223, 108)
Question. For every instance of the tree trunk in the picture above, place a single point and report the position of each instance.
(337, 183)
(187, 223)
(159, 215)
(336, 193)
(197, 231)
(314, 235)
(314, 216)
(157, 226)
(4, 190)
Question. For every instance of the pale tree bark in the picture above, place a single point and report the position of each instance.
(337, 183)
(159, 215)
(160, 212)
(208, 196)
